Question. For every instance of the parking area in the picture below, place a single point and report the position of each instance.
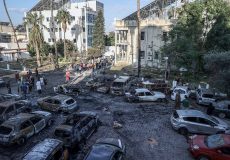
(144, 127)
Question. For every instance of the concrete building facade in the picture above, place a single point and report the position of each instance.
(156, 21)
(80, 31)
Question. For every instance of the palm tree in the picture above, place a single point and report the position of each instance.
(11, 23)
(64, 18)
(35, 35)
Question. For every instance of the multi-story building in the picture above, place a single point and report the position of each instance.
(80, 31)
(156, 21)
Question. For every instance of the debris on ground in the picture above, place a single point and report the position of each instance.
(117, 125)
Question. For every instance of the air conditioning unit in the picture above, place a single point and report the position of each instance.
(150, 58)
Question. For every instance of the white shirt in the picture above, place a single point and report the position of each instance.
(38, 84)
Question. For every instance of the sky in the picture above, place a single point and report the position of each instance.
(114, 9)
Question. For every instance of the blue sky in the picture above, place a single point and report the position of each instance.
(113, 9)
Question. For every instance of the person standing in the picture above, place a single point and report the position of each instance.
(177, 101)
(67, 75)
(185, 103)
(36, 72)
(17, 76)
(8, 87)
(39, 87)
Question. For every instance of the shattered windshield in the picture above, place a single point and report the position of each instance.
(214, 141)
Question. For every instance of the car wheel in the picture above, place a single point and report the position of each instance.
(183, 131)
(21, 141)
(222, 115)
(203, 157)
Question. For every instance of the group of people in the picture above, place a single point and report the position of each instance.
(26, 83)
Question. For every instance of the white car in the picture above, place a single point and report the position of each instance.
(184, 92)
(144, 95)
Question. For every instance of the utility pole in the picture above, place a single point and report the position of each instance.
(53, 35)
(139, 38)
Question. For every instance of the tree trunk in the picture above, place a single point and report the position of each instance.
(38, 56)
(65, 55)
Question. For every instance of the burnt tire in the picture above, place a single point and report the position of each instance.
(222, 115)
(183, 131)
(21, 141)
(203, 157)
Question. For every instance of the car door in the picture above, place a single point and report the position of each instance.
(70, 103)
(191, 124)
(10, 111)
(206, 126)
(222, 153)
(150, 96)
(19, 107)
(38, 122)
(141, 96)
(27, 129)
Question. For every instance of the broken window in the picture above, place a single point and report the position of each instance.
(70, 101)
(142, 35)
(148, 94)
(5, 130)
(10, 109)
(25, 125)
(35, 120)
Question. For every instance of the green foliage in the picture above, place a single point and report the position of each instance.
(94, 52)
(46, 49)
(202, 26)
(98, 32)
(31, 50)
(110, 39)
(69, 47)
(64, 18)
(218, 64)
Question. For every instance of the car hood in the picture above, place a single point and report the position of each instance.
(222, 123)
(198, 140)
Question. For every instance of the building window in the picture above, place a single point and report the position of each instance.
(56, 29)
(142, 35)
(49, 40)
(90, 41)
(53, 40)
(83, 29)
(73, 18)
(84, 40)
(73, 29)
(59, 29)
(90, 30)
(83, 18)
(156, 55)
(142, 54)
(74, 40)
(47, 19)
(90, 18)
(48, 29)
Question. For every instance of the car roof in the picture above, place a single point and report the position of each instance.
(101, 151)
(64, 127)
(141, 90)
(190, 113)
(181, 87)
(122, 79)
(61, 97)
(7, 103)
(110, 141)
(18, 119)
(42, 150)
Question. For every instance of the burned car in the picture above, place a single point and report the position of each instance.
(11, 108)
(59, 103)
(68, 89)
(2, 83)
(45, 115)
(77, 128)
(222, 108)
(21, 127)
(9, 97)
(120, 85)
(144, 95)
(107, 149)
(48, 149)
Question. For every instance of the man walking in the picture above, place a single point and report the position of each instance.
(39, 87)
